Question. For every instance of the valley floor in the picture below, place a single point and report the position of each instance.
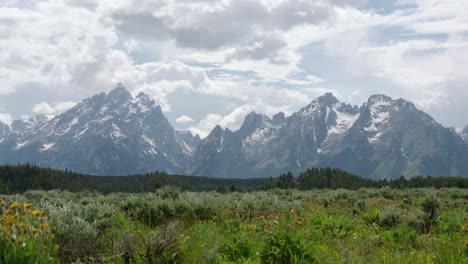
(279, 226)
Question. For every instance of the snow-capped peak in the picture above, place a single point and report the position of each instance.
(317, 106)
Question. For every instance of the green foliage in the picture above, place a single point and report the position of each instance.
(285, 181)
(25, 235)
(287, 247)
(389, 217)
(419, 222)
(21, 178)
(168, 192)
(173, 225)
(331, 179)
(239, 248)
(430, 205)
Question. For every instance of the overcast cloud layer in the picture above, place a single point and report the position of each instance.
(210, 62)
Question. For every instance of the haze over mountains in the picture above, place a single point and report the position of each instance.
(117, 134)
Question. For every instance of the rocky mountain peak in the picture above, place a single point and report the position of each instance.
(327, 99)
(279, 118)
(217, 131)
(253, 121)
(118, 134)
(318, 106)
(118, 94)
(379, 99)
(144, 98)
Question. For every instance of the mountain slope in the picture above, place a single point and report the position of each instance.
(23, 126)
(392, 138)
(266, 147)
(118, 134)
(382, 138)
(4, 131)
(464, 135)
(110, 133)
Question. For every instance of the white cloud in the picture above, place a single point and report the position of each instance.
(243, 51)
(184, 119)
(5, 118)
(235, 118)
(52, 109)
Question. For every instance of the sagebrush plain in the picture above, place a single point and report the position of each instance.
(168, 225)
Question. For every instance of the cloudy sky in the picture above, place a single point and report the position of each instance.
(208, 61)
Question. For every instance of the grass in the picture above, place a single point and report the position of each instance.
(278, 226)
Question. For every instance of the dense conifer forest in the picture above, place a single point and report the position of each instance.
(23, 177)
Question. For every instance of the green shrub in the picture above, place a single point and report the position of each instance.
(419, 222)
(402, 236)
(389, 217)
(430, 205)
(238, 249)
(372, 217)
(359, 207)
(286, 247)
(168, 192)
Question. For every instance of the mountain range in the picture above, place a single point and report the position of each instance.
(117, 134)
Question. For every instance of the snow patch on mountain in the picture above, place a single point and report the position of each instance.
(46, 146)
(312, 109)
(261, 135)
(379, 116)
(82, 132)
(344, 121)
(117, 133)
(21, 145)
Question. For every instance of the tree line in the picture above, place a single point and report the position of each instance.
(329, 178)
(23, 177)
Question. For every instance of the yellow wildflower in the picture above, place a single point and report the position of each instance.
(26, 206)
(45, 226)
(13, 206)
(21, 240)
(37, 213)
(9, 219)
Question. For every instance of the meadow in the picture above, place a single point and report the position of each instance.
(368, 225)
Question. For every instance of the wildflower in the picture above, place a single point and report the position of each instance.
(13, 206)
(21, 240)
(26, 206)
(37, 213)
(9, 219)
